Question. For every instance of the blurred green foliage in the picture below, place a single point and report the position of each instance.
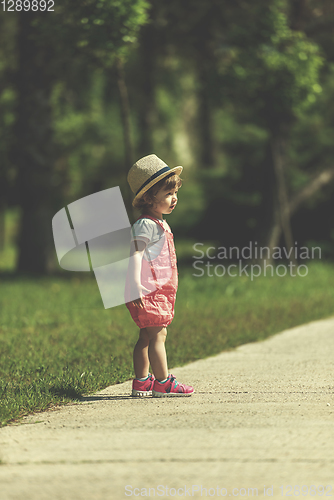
(208, 82)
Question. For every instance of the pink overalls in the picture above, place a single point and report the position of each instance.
(160, 275)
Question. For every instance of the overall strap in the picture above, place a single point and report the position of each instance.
(152, 218)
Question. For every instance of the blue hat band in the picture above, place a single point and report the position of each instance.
(154, 176)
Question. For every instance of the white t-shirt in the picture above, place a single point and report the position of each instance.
(150, 233)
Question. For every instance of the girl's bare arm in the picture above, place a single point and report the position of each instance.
(136, 252)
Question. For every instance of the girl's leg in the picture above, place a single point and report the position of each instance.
(157, 352)
(140, 355)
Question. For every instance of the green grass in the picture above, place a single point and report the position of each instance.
(57, 342)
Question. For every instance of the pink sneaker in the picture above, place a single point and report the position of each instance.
(171, 388)
(143, 387)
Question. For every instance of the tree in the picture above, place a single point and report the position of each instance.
(87, 35)
(247, 54)
(7, 97)
(272, 75)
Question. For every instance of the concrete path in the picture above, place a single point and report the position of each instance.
(261, 421)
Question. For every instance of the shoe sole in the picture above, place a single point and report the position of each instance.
(141, 394)
(156, 394)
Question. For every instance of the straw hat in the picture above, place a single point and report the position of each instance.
(146, 172)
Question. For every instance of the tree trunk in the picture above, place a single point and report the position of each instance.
(297, 14)
(270, 221)
(277, 145)
(2, 224)
(146, 81)
(205, 126)
(321, 179)
(267, 184)
(34, 151)
(125, 112)
(274, 233)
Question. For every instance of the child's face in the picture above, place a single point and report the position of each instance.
(166, 200)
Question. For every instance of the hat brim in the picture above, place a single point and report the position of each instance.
(175, 170)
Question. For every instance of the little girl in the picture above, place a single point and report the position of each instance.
(152, 275)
